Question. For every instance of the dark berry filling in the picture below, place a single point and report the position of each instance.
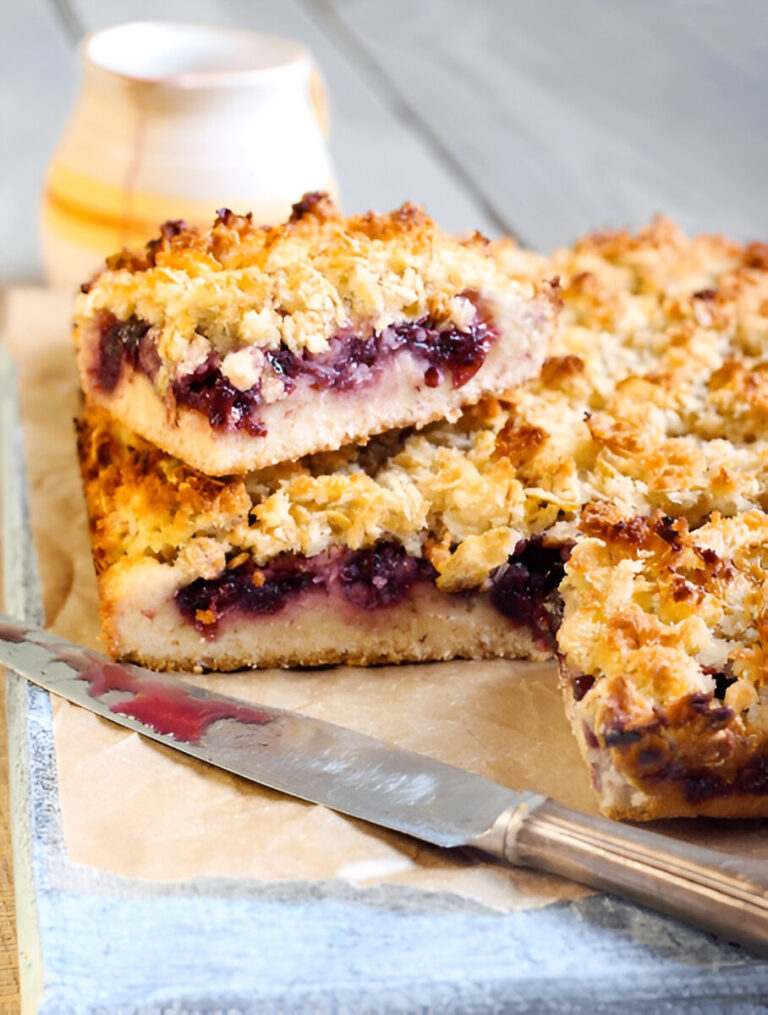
(124, 342)
(349, 362)
(722, 682)
(655, 751)
(581, 685)
(245, 588)
(207, 390)
(461, 353)
(707, 784)
(382, 576)
(370, 579)
(525, 588)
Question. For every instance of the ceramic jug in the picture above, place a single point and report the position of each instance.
(173, 121)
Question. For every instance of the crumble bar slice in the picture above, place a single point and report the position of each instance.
(664, 666)
(242, 346)
(412, 548)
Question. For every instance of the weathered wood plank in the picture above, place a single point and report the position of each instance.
(9, 969)
(573, 116)
(37, 82)
(546, 118)
(381, 160)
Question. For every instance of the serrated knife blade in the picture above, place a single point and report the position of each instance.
(358, 775)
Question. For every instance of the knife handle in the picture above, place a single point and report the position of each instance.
(704, 887)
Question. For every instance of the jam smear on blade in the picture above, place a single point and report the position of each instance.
(169, 709)
(11, 631)
(163, 704)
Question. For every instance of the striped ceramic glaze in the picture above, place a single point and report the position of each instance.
(174, 121)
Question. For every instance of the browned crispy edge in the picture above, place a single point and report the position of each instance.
(663, 792)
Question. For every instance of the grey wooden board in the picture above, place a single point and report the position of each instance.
(21, 597)
(37, 87)
(541, 117)
(573, 116)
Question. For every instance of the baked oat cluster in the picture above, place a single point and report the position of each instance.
(610, 511)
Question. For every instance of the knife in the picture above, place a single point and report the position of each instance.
(357, 775)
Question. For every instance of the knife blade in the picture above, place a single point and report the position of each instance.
(355, 774)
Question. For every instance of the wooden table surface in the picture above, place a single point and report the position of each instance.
(542, 118)
(9, 971)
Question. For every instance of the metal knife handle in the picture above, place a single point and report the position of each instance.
(714, 891)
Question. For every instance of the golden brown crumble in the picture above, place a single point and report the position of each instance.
(641, 405)
(310, 278)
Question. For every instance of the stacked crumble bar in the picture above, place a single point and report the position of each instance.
(608, 508)
(244, 350)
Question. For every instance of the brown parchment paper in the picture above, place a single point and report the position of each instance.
(134, 808)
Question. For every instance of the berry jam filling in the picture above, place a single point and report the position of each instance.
(581, 685)
(350, 362)
(699, 784)
(370, 579)
(382, 576)
(246, 588)
(208, 391)
(124, 342)
(461, 353)
(525, 588)
(705, 784)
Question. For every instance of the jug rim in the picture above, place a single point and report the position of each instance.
(98, 51)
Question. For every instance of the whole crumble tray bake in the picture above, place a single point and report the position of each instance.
(609, 512)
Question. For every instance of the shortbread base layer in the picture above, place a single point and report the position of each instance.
(143, 624)
(624, 799)
(308, 420)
